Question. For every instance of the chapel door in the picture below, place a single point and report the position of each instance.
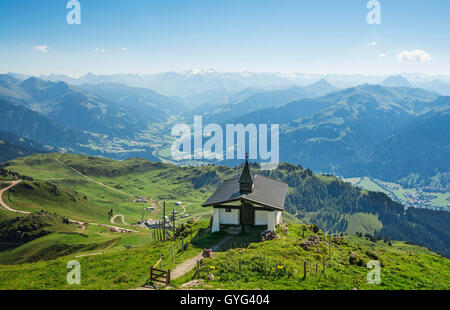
(248, 215)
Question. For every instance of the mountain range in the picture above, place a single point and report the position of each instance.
(350, 132)
(240, 104)
(390, 131)
(420, 146)
(70, 106)
(192, 82)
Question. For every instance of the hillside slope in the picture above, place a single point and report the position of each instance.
(12, 146)
(340, 133)
(275, 264)
(420, 147)
(32, 125)
(331, 263)
(34, 196)
(333, 204)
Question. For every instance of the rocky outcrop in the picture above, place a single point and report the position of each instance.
(269, 235)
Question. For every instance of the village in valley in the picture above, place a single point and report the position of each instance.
(422, 197)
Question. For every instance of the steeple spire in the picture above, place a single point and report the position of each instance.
(246, 180)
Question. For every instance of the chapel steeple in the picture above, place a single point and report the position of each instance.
(246, 181)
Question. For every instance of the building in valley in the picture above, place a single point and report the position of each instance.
(248, 200)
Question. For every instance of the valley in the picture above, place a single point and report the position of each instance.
(409, 197)
(370, 129)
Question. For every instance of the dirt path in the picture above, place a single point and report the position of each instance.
(189, 264)
(104, 225)
(14, 183)
(90, 254)
(4, 205)
(185, 267)
(184, 207)
(92, 180)
(118, 215)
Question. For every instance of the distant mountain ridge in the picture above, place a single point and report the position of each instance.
(396, 81)
(13, 146)
(191, 82)
(239, 106)
(340, 133)
(144, 99)
(32, 125)
(109, 109)
(420, 147)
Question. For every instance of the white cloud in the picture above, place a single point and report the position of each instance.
(382, 55)
(413, 56)
(367, 45)
(99, 50)
(124, 49)
(41, 48)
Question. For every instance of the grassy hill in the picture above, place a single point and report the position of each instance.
(82, 187)
(279, 264)
(104, 265)
(53, 246)
(112, 266)
(26, 228)
(13, 146)
(34, 196)
(110, 184)
(327, 201)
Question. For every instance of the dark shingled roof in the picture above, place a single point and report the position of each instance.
(267, 193)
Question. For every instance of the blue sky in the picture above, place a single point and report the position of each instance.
(147, 36)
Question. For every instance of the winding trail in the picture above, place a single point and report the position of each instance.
(188, 265)
(14, 183)
(121, 216)
(4, 205)
(184, 207)
(185, 267)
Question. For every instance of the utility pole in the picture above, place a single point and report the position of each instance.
(173, 223)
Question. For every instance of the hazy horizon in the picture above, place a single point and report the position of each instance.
(194, 71)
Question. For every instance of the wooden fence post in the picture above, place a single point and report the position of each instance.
(164, 221)
(168, 277)
(304, 269)
(172, 250)
(198, 270)
(159, 231)
(330, 247)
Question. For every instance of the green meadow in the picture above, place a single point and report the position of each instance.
(279, 264)
(39, 246)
